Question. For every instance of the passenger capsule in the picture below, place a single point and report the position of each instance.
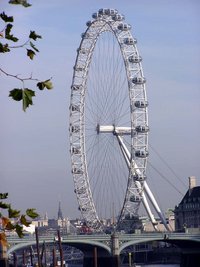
(135, 198)
(76, 150)
(141, 104)
(141, 153)
(107, 11)
(95, 15)
(118, 17)
(139, 80)
(75, 107)
(80, 190)
(78, 68)
(82, 50)
(135, 59)
(85, 35)
(76, 87)
(77, 171)
(75, 129)
(129, 41)
(139, 178)
(124, 27)
(89, 23)
(142, 129)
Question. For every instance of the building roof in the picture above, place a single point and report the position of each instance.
(192, 195)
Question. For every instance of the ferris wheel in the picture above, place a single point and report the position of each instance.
(109, 123)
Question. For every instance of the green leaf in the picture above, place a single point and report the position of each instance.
(27, 98)
(4, 48)
(48, 84)
(4, 205)
(9, 36)
(34, 36)
(24, 3)
(16, 94)
(23, 94)
(3, 195)
(24, 221)
(34, 47)
(13, 213)
(32, 213)
(5, 18)
(30, 53)
(19, 230)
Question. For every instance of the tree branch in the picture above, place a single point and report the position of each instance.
(17, 76)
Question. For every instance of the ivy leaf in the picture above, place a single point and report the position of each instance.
(16, 94)
(4, 205)
(34, 36)
(13, 213)
(3, 195)
(48, 84)
(5, 18)
(24, 221)
(9, 36)
(30, 53)
(34, 47)
(19, 230)
(27, 98)
(4, 48)
(32, 213)
(24, 3)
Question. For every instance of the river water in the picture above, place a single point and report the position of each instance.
(148, 265)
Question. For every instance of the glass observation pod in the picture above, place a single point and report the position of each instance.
(80, 190)
(141, 153)
(107, 11)
(77, 170)
(118, 17)
(75, 129)
(142, 129)
(82, 50)
(135, 199)
(83, 209)
(76, 87)
(95, 15)
(141, 104)
(76, 150)
(138, 80)
(89, 23)
(75, 108)
(135, 59)
(130, 41)
(85, 35)
(139, 178)
(79, 68)
(124, 27)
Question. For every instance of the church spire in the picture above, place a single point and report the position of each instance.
(60, 216)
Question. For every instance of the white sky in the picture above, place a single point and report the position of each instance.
(34, 156)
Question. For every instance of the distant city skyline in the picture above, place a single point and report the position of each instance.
(34, 155)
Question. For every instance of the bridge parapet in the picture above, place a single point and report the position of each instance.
(104, 241)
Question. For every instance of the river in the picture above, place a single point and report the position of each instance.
(144, 265)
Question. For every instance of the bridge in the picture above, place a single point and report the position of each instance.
(109, 247)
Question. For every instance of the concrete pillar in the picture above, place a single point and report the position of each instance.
(115, 250)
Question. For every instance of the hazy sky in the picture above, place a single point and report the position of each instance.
(34, 146)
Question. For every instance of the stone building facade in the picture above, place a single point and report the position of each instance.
(187, 213)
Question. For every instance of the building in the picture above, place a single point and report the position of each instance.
(169, 216)
(187, 213)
